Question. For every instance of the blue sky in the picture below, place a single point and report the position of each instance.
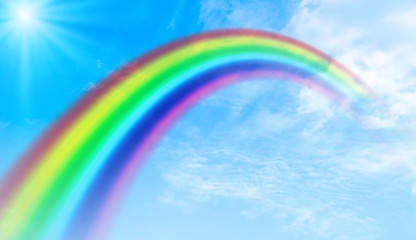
(258, 160)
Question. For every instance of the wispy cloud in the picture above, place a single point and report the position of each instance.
(326, 224)
(402, 20)
(310, 102)
(307, 195)
(89, 86)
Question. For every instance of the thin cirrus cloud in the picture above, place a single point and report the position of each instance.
(304, 197)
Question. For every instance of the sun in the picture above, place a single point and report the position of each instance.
(25, 16)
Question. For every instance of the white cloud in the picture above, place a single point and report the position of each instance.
(313, 102)
(90, 86)
(379, 45)
(373, 122)
(264, 123)
(382, 55)
(402, 20)
(324, 224)
(241, 95)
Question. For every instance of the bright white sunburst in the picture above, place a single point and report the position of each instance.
(34, 34)
(25, 15)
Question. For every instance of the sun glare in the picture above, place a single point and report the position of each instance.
(25, 16)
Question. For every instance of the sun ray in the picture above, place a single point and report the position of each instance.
(39, 36)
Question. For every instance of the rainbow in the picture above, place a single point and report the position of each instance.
(69, 183)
